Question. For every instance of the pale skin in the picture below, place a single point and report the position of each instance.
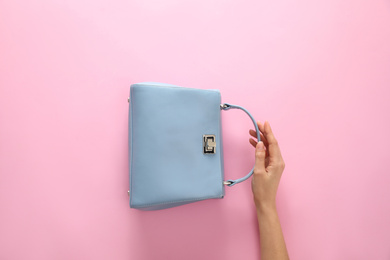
(269, 166)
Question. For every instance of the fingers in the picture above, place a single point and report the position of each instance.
(260, 158)
(269, 140)
(273, 146)
(252, 142)
(261, 127)
(253, 133)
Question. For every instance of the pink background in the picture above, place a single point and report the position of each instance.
(319, 71)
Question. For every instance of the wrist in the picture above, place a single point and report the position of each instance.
(266, 208)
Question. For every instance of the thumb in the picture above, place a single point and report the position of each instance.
(260, 158)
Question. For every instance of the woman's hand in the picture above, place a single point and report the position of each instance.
(268, 169)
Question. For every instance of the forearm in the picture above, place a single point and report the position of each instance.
(272, 245)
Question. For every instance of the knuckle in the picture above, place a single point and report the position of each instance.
(271, 139)
(257, 171)
(282, 164)
(260, 154)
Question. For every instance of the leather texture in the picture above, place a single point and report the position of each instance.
(167, 164)
(168, 167)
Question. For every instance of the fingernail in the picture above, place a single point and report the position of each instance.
(260, 146)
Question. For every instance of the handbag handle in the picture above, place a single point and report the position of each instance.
(227, 106)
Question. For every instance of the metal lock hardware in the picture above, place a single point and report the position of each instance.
(209, 144)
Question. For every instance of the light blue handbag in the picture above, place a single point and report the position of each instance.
(175, 145)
